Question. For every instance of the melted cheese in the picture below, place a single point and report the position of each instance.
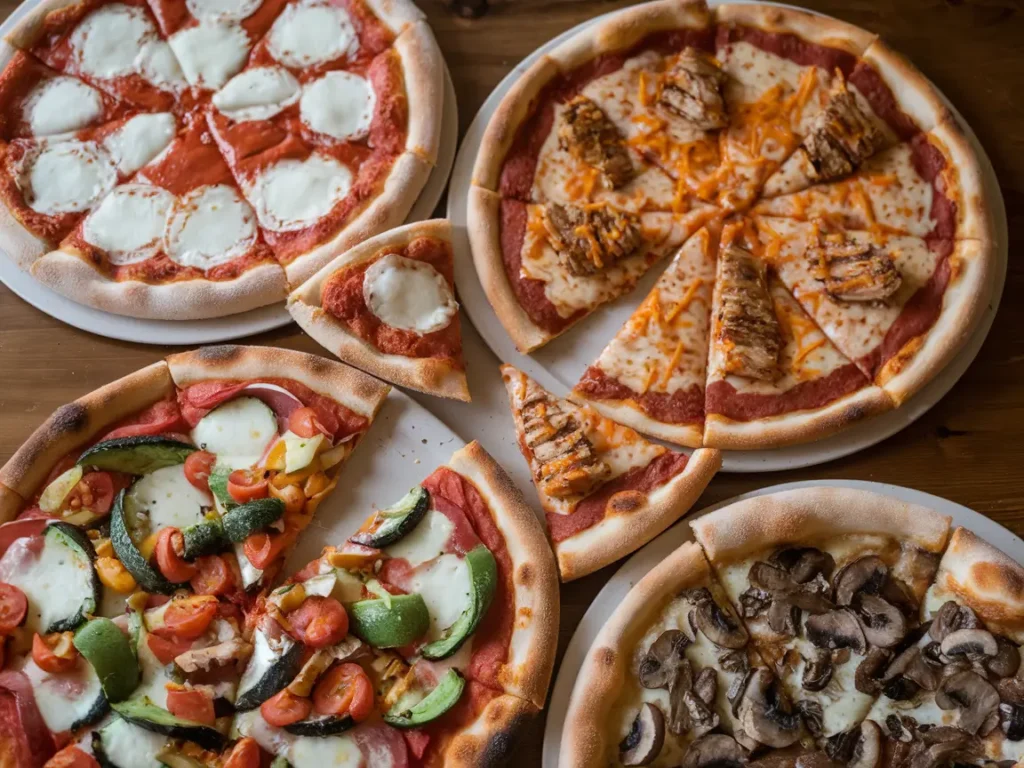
(312, 32)
(293, 194)
(257, 94)
(167, 498)
(107, 41)
(426, 541)
(209, 226)
(61, 105)
(128, 225)
(140, 140)
(223, 10)
(238, 432)
(409, 295)
(339, 104)
(66, 177)
(211, 52)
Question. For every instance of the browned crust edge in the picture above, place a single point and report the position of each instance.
(809, 26)
(423, 69)
(914, 93)
(626, 412)
(491, 738)
(10, 504)
(397, 14)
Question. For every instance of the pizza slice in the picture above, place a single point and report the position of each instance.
(114, 45)
(827, 580)
(959, 689)
(193, 249)
(898, 306)
(388, 306)
(604, 489)
(429, 632)
(773, 377)
(651, 375)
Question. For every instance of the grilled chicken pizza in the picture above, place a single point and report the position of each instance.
(828, 234)
(181, 160)
(388, 306)
(147, 525)
(817, 627)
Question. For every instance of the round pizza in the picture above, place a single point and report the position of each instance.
(816, 627)
(187, 159)
(828, 232)
(146, 619)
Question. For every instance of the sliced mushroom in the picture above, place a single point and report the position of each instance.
(784, 617)
(840, 746)
(883, 623)
(942, 746)
(813, 715)
(950, 618)
(1006, 662)
(816, 760)
(804, 563)
(1011, 717)
(864, 575)
(922, 673)
(900, 728)
(766, 715)
(736, 690)
(645, 738)
(900, 689)
(817, 670)
(660, 664)
(734, 662)
(932, 653)
(990, 724)
(702, 717)
(678, 720)
(969, 643)
(706, 685)
(897, 684)
(1011, 690)
(972, 695)
(754, 602)
(868, 677)
(718, 626)
(770, 578)
(836, 629)
(715, 749)
(899, 594)
(868, 750)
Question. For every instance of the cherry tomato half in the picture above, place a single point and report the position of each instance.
(213, 576)
(285, 708)
(197, 469)
(304, 423)
(244, 485)
(54, 653)
(187, 619)
(167, 649)
(191, 704)
(94, 492)
(344, 690)
(319, 622)
(72, 757)
(245, 754)
(262, 549)
(170, 546)
(13, 607)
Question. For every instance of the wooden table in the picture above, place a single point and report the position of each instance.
(969, 448)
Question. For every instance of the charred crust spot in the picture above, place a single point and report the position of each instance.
(501, 744)
(606, 657)
(219, 353)
(856, 413)
(525, 575)
(69, 419)
(624, 502)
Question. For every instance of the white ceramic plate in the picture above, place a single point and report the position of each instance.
(558, 365)
(638, 565)
(193, 332)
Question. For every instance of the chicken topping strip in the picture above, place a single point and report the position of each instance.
(591, 238)
(747, 327)
(588, 135)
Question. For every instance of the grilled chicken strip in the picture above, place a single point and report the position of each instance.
(588, 135)
(853, 271)
(591, 238)
(841, 137)
(692, 91)
(565, 462)
(748, 330)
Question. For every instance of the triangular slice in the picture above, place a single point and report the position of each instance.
(651, 375)
(827, 581)
(605, 490)
(388, 306)
(803, 390)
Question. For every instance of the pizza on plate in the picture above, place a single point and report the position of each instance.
(187, 160)
(829, 231)
(388, 306)
(605, 490)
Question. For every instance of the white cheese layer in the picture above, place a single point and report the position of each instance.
(312, 32)
(209, 226)
(167, 498)
(444, 584)
(292, 194)
(257, 94)
(66, 177)
(426, 541)
(223, 10)
(105, 44)
(211, 52)
(129, 223)
(140, 140)
(408, 294)
(61, 105)
(339, 104)
(129, 746)
(67, 698)
(238, 432)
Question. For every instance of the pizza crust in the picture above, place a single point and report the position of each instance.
(821, 30)
(625, 412)
(10, 504)
(963, 180)
(67, 273)
(615, 536)
(606, 666)
(527, 672)
(797, 427)
(78, 423)
(17, 242)
(734, 532)
(914, 93)
(423, 69)
(396, 14)
(491, 738)
(28, 31)
(354, 389)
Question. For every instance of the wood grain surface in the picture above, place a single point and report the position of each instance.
(969, 448)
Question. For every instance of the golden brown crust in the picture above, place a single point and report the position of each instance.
(616, 536)
(822, 30)
(397, 14)
(17, 243)
(527, 672)
(734, 532)
(915, 95)
(491, 738)
(798, 427)
(10, 504)
(424, 87)
(76, 424)
(963, 179)
(353, 389)
(27, 33)
(626, 412)
(604, 670)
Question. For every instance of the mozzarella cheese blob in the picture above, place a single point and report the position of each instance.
(223, 10)
(167, 498)
(238, 432)
(293, 194)
(140, 140)
(257, 94)
(62, 105)
(66, 177)
(312, 32)
(211, 52)
(339, 104)
(408, 294)
(105, 44)
(129, 223)
(211, 225)
(158, 65)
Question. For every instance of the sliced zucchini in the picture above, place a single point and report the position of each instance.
(142, 712)
(329, 725)
(389, 622)
(109, 652)
(393, 523)
(246, 519)
(68, 700)
(444, 696)
(218, 483)
(269, 670)
(127, 551)
(483, 574)
(136, 455)
(205, 538)
(60, 583)
(120, 744)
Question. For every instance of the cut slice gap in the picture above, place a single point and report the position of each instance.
(388, 307)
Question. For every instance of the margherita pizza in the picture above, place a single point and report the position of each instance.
(185, 160)
(830, 235)
(818, 627)
(388, 306)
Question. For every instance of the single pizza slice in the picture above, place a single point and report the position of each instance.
(898, 306)
(773, 377)
(114, 45)
(651, 375)
(604, 489)
(388, 306)
(439, 614)
(960, 687)
(827, 580)
(193, 249)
